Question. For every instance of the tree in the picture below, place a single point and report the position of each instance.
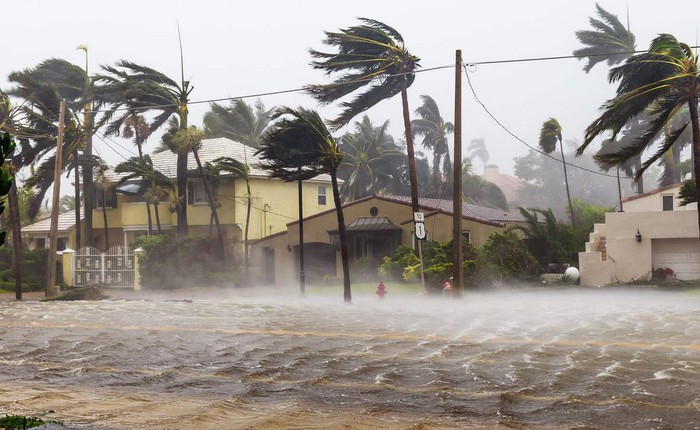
(239, 171)
(660, 82)
(609, 41)
(434, 131)
(237, 122)
(299, 146)
(188, 140)
(372, 160)
(478, 149)
(8, 186)
(370, 56)
(130, 87)
(550, 134)
(103, 184)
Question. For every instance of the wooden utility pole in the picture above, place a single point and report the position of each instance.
(458, 273)
(53, 235)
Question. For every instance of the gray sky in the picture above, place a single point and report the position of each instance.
(235, 48)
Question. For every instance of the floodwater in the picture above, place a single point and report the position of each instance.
(583, 359)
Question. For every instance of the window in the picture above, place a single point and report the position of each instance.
(195, 193)
(110, 197)
(467, 236)
(667, 202)
(41, 243)
(322, 196)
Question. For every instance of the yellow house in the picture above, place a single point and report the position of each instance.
(274, 203)
(376, 226)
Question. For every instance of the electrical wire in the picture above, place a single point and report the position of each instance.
(500, 124)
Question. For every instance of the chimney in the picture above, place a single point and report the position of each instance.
(491, 172)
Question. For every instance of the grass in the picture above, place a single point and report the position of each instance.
(11, 422)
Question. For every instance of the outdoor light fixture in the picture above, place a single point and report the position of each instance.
(638, 236)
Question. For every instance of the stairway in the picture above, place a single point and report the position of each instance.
(602, 248)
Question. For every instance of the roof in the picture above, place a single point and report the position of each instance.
(166, 161)
(372, 224)
(510, 185)
(472, 212)
(652, 192)
(66, 221)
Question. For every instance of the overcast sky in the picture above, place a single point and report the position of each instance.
(235, 48)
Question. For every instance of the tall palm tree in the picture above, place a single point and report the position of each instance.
(371, 56)
(434, 131)
(239, 122)
(659, 82)
(103, 184)
(299, 146)
(190, 140)
(239, 171)
(139, 89)
(478, 149)
(550, 134)
(609, 41)
(371, 161)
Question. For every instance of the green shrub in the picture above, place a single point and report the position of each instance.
(505, 257)
(175, 262)
(393, 267)
(364, 270)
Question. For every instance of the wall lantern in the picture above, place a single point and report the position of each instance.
(638, 236)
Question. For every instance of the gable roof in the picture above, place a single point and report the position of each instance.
(481, 214)
(166, 161)
(66, 221)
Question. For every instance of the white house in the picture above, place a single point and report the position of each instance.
(653, 232)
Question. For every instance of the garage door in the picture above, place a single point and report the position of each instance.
(680, 255)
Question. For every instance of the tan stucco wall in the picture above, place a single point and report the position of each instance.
(627, 258)
(653, 202)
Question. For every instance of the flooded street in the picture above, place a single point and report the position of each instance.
(601, 359)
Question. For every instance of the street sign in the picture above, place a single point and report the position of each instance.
(420, 231)
(418, 217)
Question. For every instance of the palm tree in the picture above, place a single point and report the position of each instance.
(103, 184)
(237, 122)
(299, 146)
(371, 160)
(478, 149)
(434, 131)
(542, 224)
(153, 183)
(660, 82)
(239, 171)
(550, 134)
(188, 140)
(372, 56)
(609, 41)
(139, 89)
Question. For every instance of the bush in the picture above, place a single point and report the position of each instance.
(393, 267)
(505, 257)
(174, 262)
(364, 270)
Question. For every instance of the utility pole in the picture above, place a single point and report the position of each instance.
(53, 235)
(302, 275)
(458, 272)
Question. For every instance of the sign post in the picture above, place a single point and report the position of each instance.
(419, 231)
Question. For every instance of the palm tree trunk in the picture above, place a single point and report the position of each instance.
(76, 185)
(88, 191)
(13, 204)
(347, 293)
(150, 219)
(566, 181)
(409, 147)
(212, 203)
(249, 203)
(157, 219)
(104, 219)
(693, 107)
(181, 206)
(302, 275)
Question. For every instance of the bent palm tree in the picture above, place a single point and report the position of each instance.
(371, 160)
(478, 149)
(299, 146)
(609, 41)
(237, 122)
(659, 82)
(130, 87)
(434, 131)
(550, 134)
(372, 56)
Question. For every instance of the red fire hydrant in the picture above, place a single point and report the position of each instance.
(381, 290)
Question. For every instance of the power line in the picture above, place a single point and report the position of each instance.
(476, 98)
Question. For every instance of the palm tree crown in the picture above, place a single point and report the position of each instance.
(608, 41)
(434, 129)
(239, 122)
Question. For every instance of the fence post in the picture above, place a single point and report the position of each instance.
(138, 252)
(68, 266)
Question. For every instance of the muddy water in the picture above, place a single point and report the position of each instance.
(600, 359)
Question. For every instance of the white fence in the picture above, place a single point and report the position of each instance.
(113, 269)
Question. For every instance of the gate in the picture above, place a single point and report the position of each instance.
(112, 269)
